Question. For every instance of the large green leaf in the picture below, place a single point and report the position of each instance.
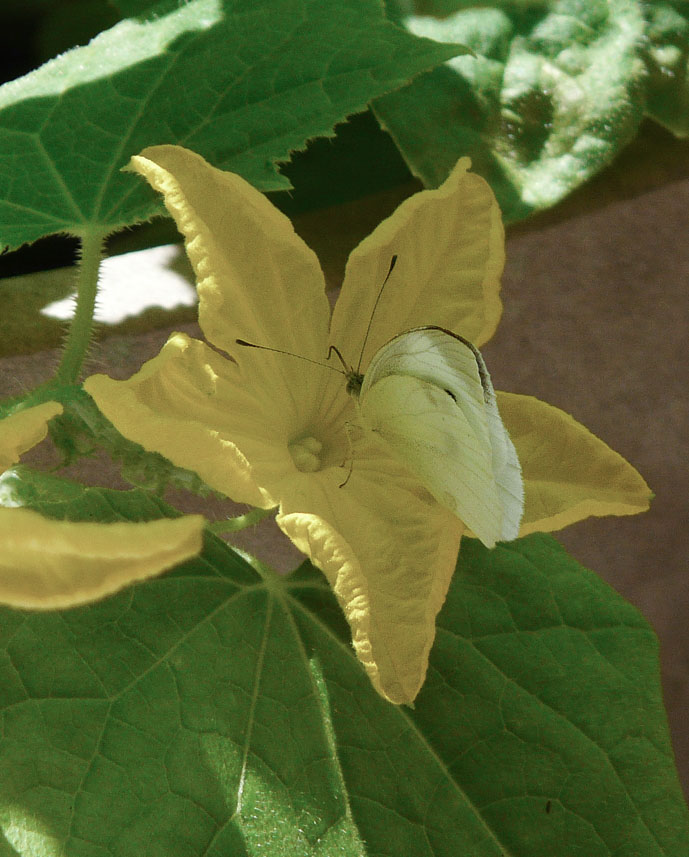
(554, 92)
(131, 8)
(243, 82)
(217, 712)
(668, 59)
(67, 23)
(157, 722)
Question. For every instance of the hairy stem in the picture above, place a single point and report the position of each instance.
(241, 522)
(81, 328)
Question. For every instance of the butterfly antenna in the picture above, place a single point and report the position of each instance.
(393, 261)
(334, 348)
(289, 354)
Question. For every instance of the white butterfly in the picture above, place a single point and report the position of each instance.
(428, 394)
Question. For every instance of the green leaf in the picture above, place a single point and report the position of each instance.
(68, 23)
(144, 8)
(11, 7)
(78, 432)
(555, 91)
(130, 8)
(243, 83)
(217, 712)
(576, 672)
(66, 500)
(159, 721)
(540, 731)
(668, 61)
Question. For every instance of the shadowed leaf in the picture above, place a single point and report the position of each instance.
(213, 712)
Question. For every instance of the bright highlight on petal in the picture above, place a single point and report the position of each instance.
(49, 564)
(271, 429)
(22, 430)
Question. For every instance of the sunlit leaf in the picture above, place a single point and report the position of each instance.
(668, 58)
(244, 84)
(554, 92)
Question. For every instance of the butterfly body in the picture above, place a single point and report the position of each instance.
(428, 395)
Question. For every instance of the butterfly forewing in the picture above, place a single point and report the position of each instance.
(428, 395)
(431, 354)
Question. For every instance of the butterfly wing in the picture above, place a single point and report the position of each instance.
(428, 395)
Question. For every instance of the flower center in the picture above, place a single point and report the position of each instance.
(306, 454)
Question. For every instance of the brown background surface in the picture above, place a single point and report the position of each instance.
(596, 319)
(595, 322)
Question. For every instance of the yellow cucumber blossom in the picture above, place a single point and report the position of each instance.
(272, 430)
(46, 563)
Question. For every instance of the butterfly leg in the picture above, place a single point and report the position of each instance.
(350, 429)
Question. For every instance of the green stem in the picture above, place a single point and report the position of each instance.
(81, 328)
(241, 522)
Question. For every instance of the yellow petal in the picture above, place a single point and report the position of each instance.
(450, 248)
(569, 473)
(24, 429)
(189, 404)
(389, 551)
(48, 564)
(257, 280)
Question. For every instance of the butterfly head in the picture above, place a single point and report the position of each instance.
(354, 382)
